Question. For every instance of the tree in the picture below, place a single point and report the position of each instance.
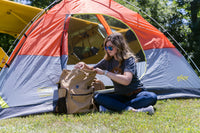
(41, 3)
(192, 10)
(195, 27)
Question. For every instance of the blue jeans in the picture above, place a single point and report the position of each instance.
(116, 102)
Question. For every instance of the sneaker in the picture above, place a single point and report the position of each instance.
(149, 110)
(102, 109)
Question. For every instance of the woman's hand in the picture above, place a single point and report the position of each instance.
(99, 71)
(80, 65)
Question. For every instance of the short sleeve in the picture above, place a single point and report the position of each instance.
(130, 66)
(103, 64)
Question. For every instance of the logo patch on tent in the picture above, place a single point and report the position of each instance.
(45, 91)
(182, 78)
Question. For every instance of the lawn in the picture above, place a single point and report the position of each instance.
(171, 116)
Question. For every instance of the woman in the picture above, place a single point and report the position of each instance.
(119, 64)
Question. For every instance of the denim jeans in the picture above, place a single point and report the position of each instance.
(116, 102)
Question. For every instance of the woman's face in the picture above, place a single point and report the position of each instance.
(110, 48)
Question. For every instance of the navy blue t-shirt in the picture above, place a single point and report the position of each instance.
(128, 65)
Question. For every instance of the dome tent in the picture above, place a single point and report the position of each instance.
(28, 85)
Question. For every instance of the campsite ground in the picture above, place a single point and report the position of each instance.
(171, 116)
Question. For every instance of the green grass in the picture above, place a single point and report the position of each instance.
(172, 116)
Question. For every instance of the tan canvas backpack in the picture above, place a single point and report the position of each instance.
(76, 91)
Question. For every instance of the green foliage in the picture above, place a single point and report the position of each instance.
(178, 116)
(6, 41)
(41, 3)
(192, 11)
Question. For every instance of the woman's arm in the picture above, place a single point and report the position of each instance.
(124, 79)
(82, 65)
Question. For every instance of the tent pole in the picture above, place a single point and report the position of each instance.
(104, 23)
(165, 31)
